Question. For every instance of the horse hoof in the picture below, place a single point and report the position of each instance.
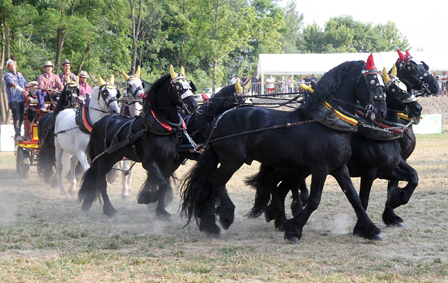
(148, 197)
(292, 240)
(213, 235)
(377, 237)
(396, 224)
(164, 217)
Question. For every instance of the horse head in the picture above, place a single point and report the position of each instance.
(181, 91)
(351, 83)
(70, 95)
(135, 91)
(109, 94)
(416, 73)
(398, 97)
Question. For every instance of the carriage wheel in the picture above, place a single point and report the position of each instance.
(23, 162)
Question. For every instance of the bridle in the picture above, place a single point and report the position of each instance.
(372, 81)
(182, 89)
(409, 66)
(106, 96)
(140, 88)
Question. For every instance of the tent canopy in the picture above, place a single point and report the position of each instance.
(297, 64)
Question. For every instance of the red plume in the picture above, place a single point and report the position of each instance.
(370, 62)
(402, 57)
(408, 54)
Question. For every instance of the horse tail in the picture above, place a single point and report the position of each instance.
(46, 156)
(88, 192)
(262, 194)
(196, 190)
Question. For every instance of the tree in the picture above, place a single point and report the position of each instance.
(292, 41)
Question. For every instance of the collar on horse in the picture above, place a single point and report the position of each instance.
(82, 118)
(157, 126)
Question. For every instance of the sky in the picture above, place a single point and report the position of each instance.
(424, 23)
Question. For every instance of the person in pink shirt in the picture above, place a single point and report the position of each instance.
(85, 90)
(47, 82)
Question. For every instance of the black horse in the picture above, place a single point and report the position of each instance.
(227, 98)
(287, 140)
(46, 156)
(370, 159)
(152, 139)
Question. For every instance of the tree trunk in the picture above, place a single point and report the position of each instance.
(215, 31)
(5, 113)
(84, 57)
(62, 35)
(135, 32)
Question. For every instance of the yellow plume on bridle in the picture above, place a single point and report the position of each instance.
(238, 87)
(182, 70)
(125, 76)
(173, 74)
(386, 77)
(137, 74)
(307, 87)
(100, 79)
(394, 71)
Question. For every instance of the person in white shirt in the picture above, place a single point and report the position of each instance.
(270, 84)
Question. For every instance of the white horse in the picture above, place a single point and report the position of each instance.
(133, 103)
(70, 140)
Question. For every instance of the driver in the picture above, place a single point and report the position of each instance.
(46, 83)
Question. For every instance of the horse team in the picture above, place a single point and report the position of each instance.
(348, 126)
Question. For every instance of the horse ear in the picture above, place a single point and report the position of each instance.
(402, 56)
(408, 54)
(137, 74)
(394, 71)
(102, 82)
(125, 76)
(386, 77)
(182, 70)
(69, 79)
(425, 66)
(370, 63)
(173, 74)
(112, 80)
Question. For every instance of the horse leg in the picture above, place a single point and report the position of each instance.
(126, 179)
(398, 196)
(226, 209)
(293, 227)
(59, 153)
(155, 179)
(73, 181)
(364, 226)
(365, 187)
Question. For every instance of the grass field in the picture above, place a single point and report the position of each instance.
(44, 237)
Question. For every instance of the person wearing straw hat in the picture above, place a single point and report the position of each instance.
(47, 82)
(15, 89)
(85, 90)
(66, 73)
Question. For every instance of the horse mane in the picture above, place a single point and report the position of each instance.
(153, 94)
(331, 81)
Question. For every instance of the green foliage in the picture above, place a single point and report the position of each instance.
(211, 39)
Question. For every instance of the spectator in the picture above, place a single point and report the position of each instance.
(282, 84)
(64, 75)
(299, 82)
(234, 79)
(244, 83)
(313, 79)
(444, 80)
(291, 84)
(270, 84)
(254, 84)
(307, 80)
(15, 84)
(85, 90)
(47, 82)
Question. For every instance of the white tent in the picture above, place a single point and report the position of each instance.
(298, 64)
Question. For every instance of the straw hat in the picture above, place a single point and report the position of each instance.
(83, 74)
(48, 63)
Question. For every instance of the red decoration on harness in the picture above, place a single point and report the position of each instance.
(402, 56)
(370, 63)
(166, 126)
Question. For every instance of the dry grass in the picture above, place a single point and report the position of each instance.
(45, 237)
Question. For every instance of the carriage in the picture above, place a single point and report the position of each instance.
(28, 149)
